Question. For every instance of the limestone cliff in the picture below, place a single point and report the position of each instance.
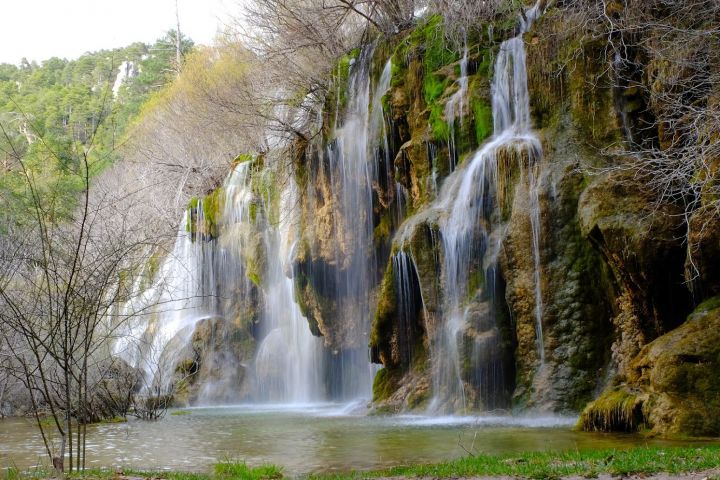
(566, 277)
(612, 260)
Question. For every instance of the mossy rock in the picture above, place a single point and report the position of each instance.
(205, 215)
(616, 410)
(384, 384)
(680, 370)
(382, 326)
(673, 386)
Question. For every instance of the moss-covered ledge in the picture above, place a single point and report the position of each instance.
(673, 387)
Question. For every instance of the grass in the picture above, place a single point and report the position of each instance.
(180, 413)
(546, 465)
(556, 465)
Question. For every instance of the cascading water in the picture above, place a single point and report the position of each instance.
(455, 107)
(167, 311)
(192, 285)
(462, 232)
(289, 362)
(195, 282)
(467, 336)
(207, 278)
(358, 155)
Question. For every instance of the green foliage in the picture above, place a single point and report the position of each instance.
(57, 112)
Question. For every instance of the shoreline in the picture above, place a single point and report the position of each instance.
(656, 463)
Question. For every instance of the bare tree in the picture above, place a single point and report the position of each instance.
(59, 283)
(663, 58)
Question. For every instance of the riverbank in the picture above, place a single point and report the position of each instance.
(687, 463)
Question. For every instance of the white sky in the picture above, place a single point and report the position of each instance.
(40, 29)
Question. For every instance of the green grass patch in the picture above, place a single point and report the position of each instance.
(115, 419)
(546, 465)
(180, 413)
(235, 470)
(557, 465)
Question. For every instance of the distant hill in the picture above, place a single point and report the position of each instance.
(51, 109)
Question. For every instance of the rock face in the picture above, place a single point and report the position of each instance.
(613, 259)
(575, 278)
(672, 385)
(214, 366)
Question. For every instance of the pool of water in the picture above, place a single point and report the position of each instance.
(303, 439)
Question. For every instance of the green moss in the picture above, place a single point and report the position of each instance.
(255, 279)
(264, 185)
(384, 384)
(438, 126)
(386, 310)
(187, 367)
(153, 264)
(212, 206)
(616, 410)
(418, 399)
(243, 158)
(437, 52)
(383, 230)
(476, 281)
(709, 304)
(483, 120)
(341, 75)
(253, 211)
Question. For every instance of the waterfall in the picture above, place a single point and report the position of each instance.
(359, 157)
(167, 311)
(455, 108)
(191, 285)
(463, 212)
(289, 362)
(207, 278)
(208, 274)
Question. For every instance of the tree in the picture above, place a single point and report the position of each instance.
(662, 56)
(60, 280)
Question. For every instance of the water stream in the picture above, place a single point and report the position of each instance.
(289, 361)
(206, 275)
(456, 105)
(359, 150)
